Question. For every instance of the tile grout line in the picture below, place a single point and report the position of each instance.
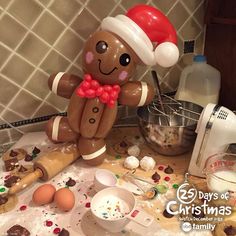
(11, 56)
(70, 64)
(20, 87)
(77, 57)
(29, 31)
(21, 57)
(38, 65)
(4, 10)
(196, 8)
(23, 38)
(73, 63)
(16, 113)
(190, 16)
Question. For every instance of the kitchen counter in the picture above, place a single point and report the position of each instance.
(79, 221)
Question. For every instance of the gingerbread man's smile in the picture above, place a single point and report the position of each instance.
(104, 73)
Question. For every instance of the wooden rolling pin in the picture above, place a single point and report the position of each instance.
(46, 167)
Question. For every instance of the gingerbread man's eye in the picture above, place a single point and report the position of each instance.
(101, 47)
(125, 59)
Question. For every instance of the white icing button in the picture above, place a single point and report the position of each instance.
(147, 163)
(134, 150)
(131, 162)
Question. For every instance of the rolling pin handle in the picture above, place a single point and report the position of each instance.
(25, 181)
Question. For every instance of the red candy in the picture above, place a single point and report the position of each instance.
(56, 230)
(87, 205)
(167, 178)
(161, 168)
(49, 223)
(22, 208)
(90, 88)
(90, 93)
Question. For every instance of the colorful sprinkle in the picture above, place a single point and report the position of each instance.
(49, 223)
(23, 208)
(56, 230)
(161, 168)
(87, 205)
(167, 178)
(85, 196)
(161, 188)
(2, 190)
(118, 157)
(175, 186)
(117, 176)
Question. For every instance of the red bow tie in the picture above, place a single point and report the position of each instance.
(91, 88)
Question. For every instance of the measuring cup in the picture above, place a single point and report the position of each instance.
(220, 170)
(104, 179)
(125, 198)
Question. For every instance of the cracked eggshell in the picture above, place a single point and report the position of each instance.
(147, 163)
(131, 162)
(134, 150)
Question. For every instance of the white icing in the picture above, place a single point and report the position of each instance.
(147, 163)
(144, 94)
(56, 81)
(131, 162)
(134, 150)
(94, 154)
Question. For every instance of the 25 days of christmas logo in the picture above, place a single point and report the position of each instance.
(197, 209)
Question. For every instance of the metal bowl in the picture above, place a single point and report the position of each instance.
(176, 138)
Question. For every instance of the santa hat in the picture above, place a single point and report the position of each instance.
(143, 27)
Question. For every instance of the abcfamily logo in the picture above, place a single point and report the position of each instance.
(197, 216)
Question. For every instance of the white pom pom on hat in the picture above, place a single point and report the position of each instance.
(142, 26)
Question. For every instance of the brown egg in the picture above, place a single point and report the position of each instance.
(44, 194)
(64, 199)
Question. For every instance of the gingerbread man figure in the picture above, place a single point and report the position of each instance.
(109, 59)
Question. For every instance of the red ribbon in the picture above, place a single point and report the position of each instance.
(90, 88)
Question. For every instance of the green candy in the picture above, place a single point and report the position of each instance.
(117, 176)
(161, 188)
(175, 186)
(34, 155)
(118, 157)
(2, 190)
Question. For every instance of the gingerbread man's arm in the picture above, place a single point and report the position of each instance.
(136, 93)
(63, 84)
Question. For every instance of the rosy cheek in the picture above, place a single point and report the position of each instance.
(123, 75)
(89, 57)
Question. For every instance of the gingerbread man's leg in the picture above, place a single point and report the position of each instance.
(93, 150)
(58, 130)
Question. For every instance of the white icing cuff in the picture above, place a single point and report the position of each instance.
(55, 128)
(94, 154)
(56, 81)
(144, 94)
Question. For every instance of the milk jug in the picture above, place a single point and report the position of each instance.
(199, 83)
